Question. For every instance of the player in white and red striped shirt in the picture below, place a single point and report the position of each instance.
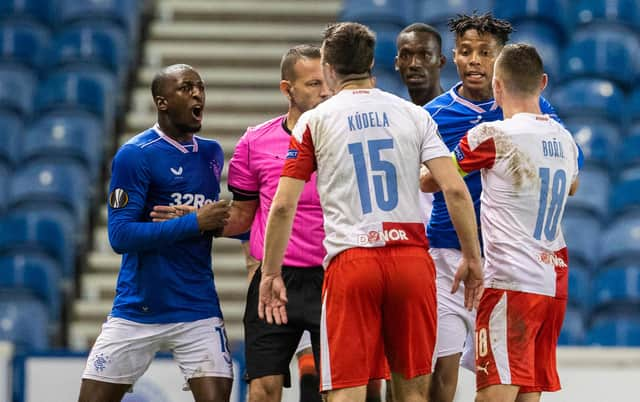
(529, 165)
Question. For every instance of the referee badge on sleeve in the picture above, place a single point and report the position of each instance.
(118, 198)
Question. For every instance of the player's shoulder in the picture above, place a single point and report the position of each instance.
(487, 130)
(259, 130)
(139, 144)
(208, 144)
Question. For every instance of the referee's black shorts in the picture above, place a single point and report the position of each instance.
(269, 347)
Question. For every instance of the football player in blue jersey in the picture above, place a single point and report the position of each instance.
(479, 40)
(165, 294)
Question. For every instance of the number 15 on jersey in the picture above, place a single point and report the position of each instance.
(385, 180)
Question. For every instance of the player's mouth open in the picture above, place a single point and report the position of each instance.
(196, 111)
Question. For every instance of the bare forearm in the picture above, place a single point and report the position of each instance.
(463, 217)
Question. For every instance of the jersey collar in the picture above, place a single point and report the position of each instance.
(476, 107)
(175, 143)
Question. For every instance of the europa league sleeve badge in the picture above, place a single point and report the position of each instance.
(118, 198)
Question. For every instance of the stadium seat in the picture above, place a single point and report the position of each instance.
(10, 137)
(17, 86)
(448, 78)
(621, 241)
(602, 52)
(64, 184)
(35, 274)
(40, 233)
(573, 328)
(587, 97)
(546, 41)
(614, 330)
(23, 43)
(628, 154)
(391, 82)
(24, 322)
(385, 50)
(579, 285)
(432, 13)
(28, 10)
(399, 13)
(79, 90)
(633, 107)
(592, 196)
(616, 285)
(599, 139)
(587, 12)
(535, 12)
(625, 195)
(76, 136)
(581, 234)
(4, 186)
(91, 46)
(122, 13)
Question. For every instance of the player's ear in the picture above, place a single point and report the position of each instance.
(544, 82)
(395, 63)
(161, 103)
(443, 60)
(285, 88)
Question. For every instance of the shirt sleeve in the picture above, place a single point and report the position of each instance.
(546, 108)
(432, 144)
(301, 158)
(474, 152)
(243, 182)
(130, 229)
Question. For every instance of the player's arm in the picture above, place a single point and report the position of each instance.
(129, 230)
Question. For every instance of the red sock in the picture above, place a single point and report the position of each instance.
(306, 365)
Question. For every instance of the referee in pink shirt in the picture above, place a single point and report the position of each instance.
(254, 172)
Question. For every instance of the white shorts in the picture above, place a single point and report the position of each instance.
(125, 349)
(455, 323)
(305, 342)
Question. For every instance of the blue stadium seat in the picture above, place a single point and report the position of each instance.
(40, 233)
(64, 184)
(24, 322)
(586, 12)
(17, 86)
(546, 14)
(621, 241)
(586, 97)
(614, 330)
(581, 233)
(4, 187)
(28, 10)
(390, 82)
(23, 43)
(625, 195)
(79, 90)
(399, 12)
(92, 46)
(432, 13)
(449, 77)
(628, 154)
(633, 106)
(579, 286)
(10, 137)
(76, 136)
(616, 284)
(34, 274)
(599, 139)
(123, 13)
(573, 330)
(603, 52)
(385, 51)
(545, 40)
(592, 196)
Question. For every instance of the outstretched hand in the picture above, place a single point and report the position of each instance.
(163, 213)
(470, 272)
(272, 299)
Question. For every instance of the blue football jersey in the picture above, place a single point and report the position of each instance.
(166, 274)
(455, 116)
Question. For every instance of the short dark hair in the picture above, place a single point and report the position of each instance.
(520, 67)
(293, 55)
(483, 23)
(349, 47)
(422, 28)
(157, 84)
